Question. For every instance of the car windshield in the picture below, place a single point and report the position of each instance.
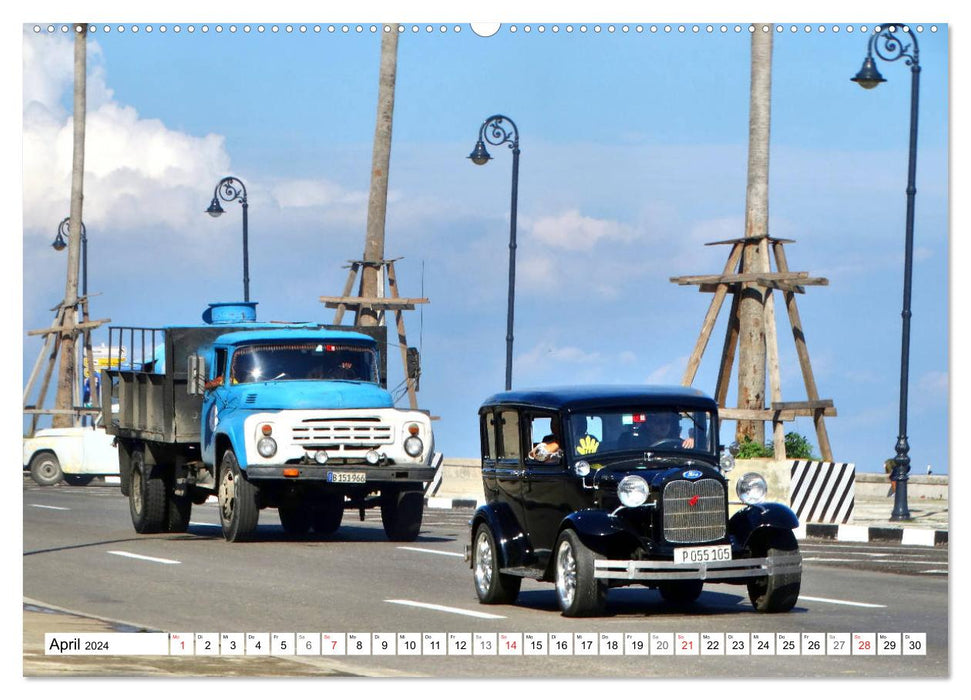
(303, 361)
(641, 429)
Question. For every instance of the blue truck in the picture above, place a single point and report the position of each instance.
(292, 416)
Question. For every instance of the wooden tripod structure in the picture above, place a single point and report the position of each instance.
(63, 324)
(381, 304)
(733, 281)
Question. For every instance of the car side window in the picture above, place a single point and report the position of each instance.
(488, 427)
(510, 435)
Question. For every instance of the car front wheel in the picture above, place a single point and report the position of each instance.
(777, 593)
(578, 593)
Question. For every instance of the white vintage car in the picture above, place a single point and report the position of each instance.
(76, 455)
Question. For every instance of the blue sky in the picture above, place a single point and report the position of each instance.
(634, 150)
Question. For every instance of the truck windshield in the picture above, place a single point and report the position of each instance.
(303, 361)
(641, 429)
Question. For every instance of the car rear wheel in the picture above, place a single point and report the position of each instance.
(578, 593)
(79, 479)
(490, 585)
(45, 469)
(776, 593)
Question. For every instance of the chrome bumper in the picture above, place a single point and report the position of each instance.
(711, 571)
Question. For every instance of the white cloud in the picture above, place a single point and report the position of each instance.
(137, 172)
(573, 231)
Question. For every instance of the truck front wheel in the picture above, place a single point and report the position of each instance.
(238, 511)
(146, 499)
(295, 519)
(401, 513)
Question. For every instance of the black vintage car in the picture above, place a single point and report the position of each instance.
(601, 486)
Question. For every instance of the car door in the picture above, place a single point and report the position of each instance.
(548, 491)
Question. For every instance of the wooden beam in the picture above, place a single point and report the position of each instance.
(728, 354)
(794, 405)
(709, 323)
(751, 278)
(707, 287)
(339, 315)
(768, 414)
(381, 303)
(752, 239)
(76, 326)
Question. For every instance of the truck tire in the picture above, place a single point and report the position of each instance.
(147, 499)
(238, 511)
(578, 593)
(179, 512)
(295, 519)
(777, 593)
(681, 592)
(490, 585)
(45, 469)
(328, 513)
(401, 513)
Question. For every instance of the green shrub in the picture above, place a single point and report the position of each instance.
(797, 447)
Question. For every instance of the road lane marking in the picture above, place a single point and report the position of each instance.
(38, 505)
(144, 558)
(935, 571)
(445, 608)
(841, 602)
(193, 522)
(433, 551)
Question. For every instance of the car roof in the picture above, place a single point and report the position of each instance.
(602, 396)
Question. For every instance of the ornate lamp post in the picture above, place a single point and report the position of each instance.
(887, 42)
(499, 130)
(59, 244)
(229, 189)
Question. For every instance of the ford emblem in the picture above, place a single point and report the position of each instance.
(691, 474)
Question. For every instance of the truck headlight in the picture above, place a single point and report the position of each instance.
(632, 491)
(751, 488)
(266, 447)
(414, 446)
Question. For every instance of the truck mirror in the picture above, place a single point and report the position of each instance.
(414, 364)
(196, 366)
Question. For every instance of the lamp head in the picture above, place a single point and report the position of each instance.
(479, 155)
(868, 77)
(59, 243)
(214, 209)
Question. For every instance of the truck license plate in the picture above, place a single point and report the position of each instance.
(346, 477)
(702, 555)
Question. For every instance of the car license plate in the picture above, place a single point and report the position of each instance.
(702, 555)
(346, 477)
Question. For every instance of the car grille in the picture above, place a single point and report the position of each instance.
(704, 521)
(347, 432)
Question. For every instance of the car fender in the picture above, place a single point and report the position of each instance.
(764, 515)
(511, 543)
(601, 532)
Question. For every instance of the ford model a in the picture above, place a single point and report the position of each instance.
(596, 487)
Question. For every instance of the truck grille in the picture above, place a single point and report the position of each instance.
(694, 511)
(323, 433)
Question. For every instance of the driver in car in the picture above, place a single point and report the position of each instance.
(666, 427)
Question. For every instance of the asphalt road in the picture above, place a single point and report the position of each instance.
(81, 554)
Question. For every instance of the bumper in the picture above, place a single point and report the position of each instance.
(647, 571)
(338, 475)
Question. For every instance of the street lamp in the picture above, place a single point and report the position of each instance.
(498, 130)
(888, 46)
(229, 189)
(59, 244)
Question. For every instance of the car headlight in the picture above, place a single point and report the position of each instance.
(632, 491)
(751, 488)
(414, 446)
(266, 447)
